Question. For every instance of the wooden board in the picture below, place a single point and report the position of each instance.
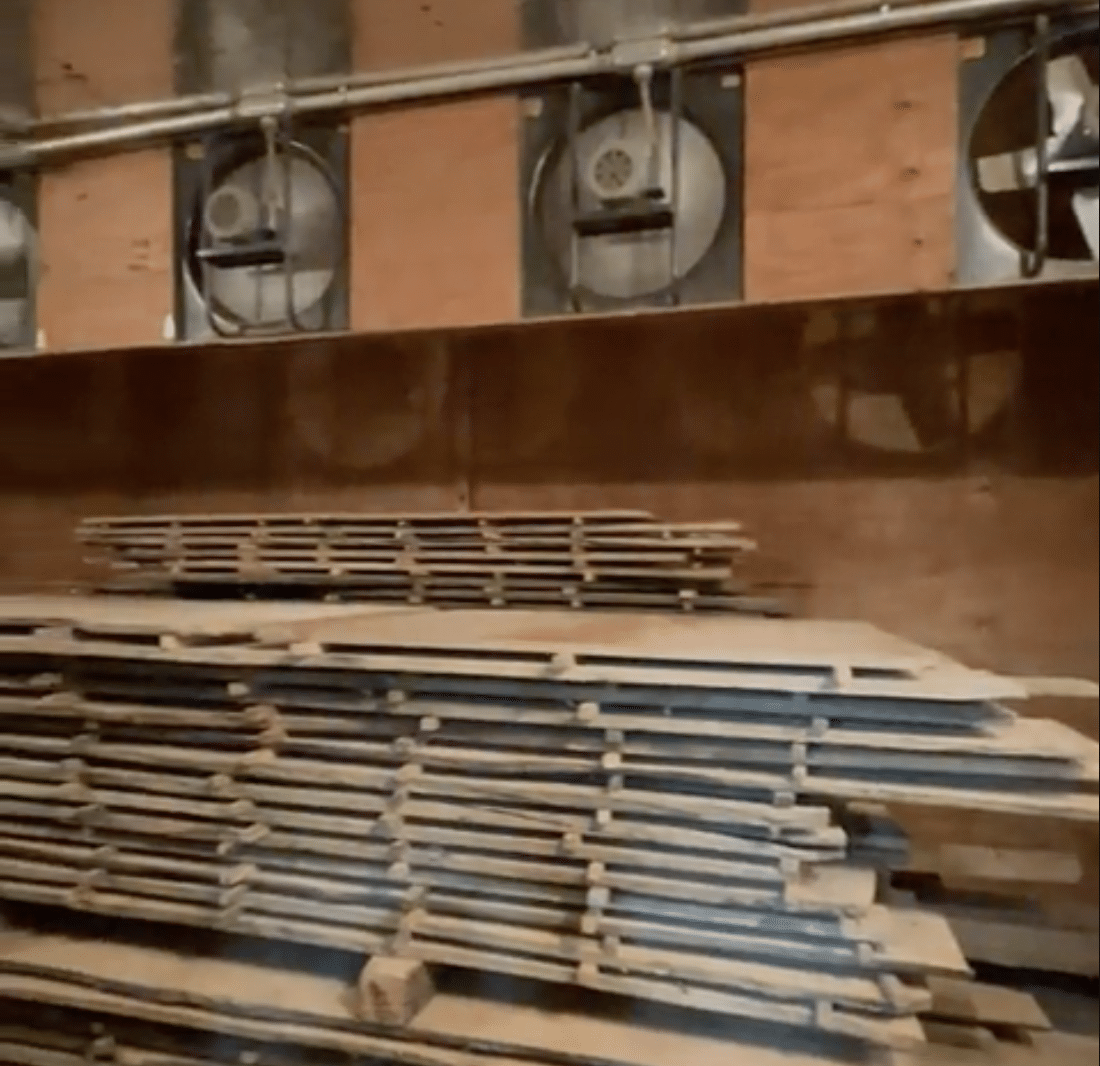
(854, 193)
(435, 190)
(105, 225)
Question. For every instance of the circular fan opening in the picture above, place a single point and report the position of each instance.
(613, 162)
(301, 200)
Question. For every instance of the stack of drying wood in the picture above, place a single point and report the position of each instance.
(68, 1000)
(602, 559)
(635, 804)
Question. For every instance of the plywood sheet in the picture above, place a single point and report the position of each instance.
(400, 33)
(80, 63)
(105, 223)
(849, 180)
(435, 216)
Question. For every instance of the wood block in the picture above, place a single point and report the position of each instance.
(392, 991)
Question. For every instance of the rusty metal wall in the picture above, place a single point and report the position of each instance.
(981, 542)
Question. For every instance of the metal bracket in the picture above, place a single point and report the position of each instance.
(1034, 259)
(652, 52)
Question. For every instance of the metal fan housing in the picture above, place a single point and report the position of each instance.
(243, 224)
(997, 210)
(679, 174)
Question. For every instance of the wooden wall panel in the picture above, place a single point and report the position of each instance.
(435, 212)
(105, 224)
(849, 172)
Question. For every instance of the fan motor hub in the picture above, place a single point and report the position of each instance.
(616, 169)
(231, 211)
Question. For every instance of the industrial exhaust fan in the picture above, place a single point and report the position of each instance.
(17, 263)
(1030, 154)
(631, 188)
(261, 232)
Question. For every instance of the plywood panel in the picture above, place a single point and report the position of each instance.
(106, 247)
(105, 223)
(435, 216)
(435, 212)
(408, 33)
(849, 182)
(95, 53)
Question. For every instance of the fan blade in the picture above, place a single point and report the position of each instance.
(1008, 171)
(1086, 206)
(1068, 89)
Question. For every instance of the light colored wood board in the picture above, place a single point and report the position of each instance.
(985, 1004)
(139, 614)
(615, 518)
(215, 977)
(836, 891)
(731, 740)
(676, 832)
(877, 1029)
(276, 866)
(962, 690)
(307, 1034)
(1023, 946)
(868, 174)
(422, 842)
(786, 820)
(977, 862)
(1073, 688)
(369, 764)
(913, 940)
(638, 1039)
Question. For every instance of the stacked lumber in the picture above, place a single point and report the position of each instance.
(598, 559)
(67, 999)
(634, 804)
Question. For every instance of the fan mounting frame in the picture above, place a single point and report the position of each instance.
(711, 100)
(199, 166)
(19, 189)
(985, 254)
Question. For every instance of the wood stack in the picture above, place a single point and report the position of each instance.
(634, 804)
(67, 1000)
(600, 559)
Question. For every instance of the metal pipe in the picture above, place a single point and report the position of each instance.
(727, 24)
(872, 23)
(510, 77)
(178, 105)
(253, 109)
(108, 116)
